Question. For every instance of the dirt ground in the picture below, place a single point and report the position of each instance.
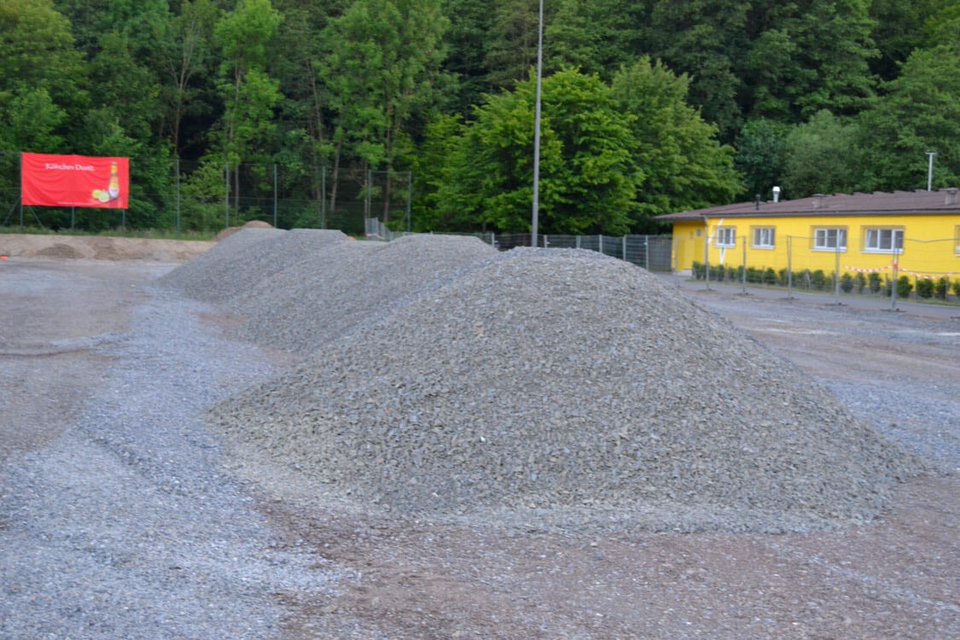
(896, 578)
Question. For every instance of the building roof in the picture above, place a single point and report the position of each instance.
(944, 201)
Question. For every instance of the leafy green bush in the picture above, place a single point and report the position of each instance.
(956, 288)
(861, 281)
(783, 277)
(941, 287)
(818, 279)
(698, 270)
(874, 281)
(904, 286)
(924, 288)
(769, 276)
(846, 283)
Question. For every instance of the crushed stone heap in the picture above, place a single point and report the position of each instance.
(561, 388)
(245, 258)
(330, 292)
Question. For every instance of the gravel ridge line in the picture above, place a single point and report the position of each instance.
(125, 527)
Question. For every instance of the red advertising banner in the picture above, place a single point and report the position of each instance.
(74, 181)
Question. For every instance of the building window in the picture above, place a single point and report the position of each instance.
(883, 240)
(763, 237)
(830, 239)
(726, 237)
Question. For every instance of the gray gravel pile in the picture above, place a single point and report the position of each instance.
(331, 292)
(244, 259)
(565, 389)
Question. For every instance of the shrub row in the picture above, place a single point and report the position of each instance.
(819, 280)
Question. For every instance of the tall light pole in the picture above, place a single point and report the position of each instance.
(536, 134)
(930, 156)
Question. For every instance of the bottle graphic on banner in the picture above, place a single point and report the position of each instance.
(114, 189)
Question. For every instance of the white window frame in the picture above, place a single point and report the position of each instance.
(725, 238)
(764, 237)
(821, 239)
(874, 241)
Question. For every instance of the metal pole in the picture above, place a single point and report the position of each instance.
(274, 194)
(930, 155)
(368, 202)
(706, 252)
(323, 197)
(177, 168)
(646, 252)
(226, 195)
(536, 135)
(836, 273)
(743, 265)
(409, 197)
(789, 266)
(21, 192)
(624, 252)
(73, 217)
(893, 284)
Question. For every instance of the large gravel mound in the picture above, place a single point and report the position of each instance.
(562, 388)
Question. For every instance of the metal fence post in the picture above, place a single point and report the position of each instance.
(624, 248)
(893, 283)
(600, 243)
(226, 195)
(646, 252)
(706, 254)
(789, 266)
(578, 242)
(274, 194)
(177, 169)
(743, 265)
(836, 273)
(323, 197)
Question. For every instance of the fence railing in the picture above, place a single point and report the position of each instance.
(652, 252)
(926, 269)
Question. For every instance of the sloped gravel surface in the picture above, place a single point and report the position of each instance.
(122, 525)
(354, 284)
(563, 389)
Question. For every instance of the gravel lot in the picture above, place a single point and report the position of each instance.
(117, 519)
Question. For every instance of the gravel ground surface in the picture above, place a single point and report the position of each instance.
(111, 530)
(122, 526)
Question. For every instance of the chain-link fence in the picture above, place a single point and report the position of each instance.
(650, 252)
(183, 196)
(840, 264)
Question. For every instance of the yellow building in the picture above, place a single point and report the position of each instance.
(911, 232)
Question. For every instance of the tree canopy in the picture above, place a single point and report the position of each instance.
(650, 106)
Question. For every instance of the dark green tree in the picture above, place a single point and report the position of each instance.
(918, 112)
(761, 156)
(682, 164)
(822, 157)
(586, 173)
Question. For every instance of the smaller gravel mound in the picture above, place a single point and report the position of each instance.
(329, 293)
(563, 388)
(246, 258)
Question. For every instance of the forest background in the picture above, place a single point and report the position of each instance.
(322, 112)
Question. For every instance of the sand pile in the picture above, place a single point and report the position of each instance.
(562, 388)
